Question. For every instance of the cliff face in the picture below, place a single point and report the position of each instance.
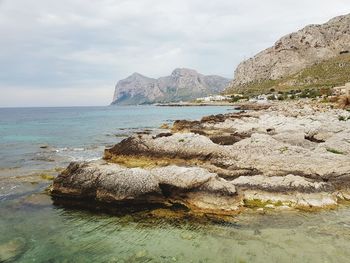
(296, 51)
(182, 84)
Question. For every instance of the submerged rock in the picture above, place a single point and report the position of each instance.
(12, 249)
(37, 199)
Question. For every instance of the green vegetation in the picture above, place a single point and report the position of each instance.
(47, 176)
(257, 203)
(343, 118)
(283, 149)
(334, 151)
(271, 97)
(235, 98)
(181, 140)
(318, 79)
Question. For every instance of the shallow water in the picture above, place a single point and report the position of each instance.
(33, 229)
(56, 234)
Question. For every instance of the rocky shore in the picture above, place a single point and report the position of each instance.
(283, 155)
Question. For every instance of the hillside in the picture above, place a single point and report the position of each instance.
(182, 85)
(305, 49)
(330, 73)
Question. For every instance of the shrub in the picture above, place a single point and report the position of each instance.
(235, 98)
(303, 94)
(324, 100)
(314, 93)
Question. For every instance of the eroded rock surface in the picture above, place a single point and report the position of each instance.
(287, 155)
(109, 182)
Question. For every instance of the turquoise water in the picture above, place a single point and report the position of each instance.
(34, 229)
(78, 132)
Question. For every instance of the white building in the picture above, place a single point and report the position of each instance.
(342, 90)
(213, 98)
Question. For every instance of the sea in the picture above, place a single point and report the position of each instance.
(37, 143)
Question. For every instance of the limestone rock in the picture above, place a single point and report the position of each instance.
(108, 182)
(296, 51)
(281, 183)
(291, 154)
(182, 85)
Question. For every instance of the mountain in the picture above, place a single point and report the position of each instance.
(182, 85)
(293, 53)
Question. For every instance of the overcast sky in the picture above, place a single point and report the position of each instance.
(72, 52)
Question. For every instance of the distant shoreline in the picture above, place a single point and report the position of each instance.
(192, 104)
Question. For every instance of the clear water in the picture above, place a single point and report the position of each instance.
(33, 229)
(77, 132)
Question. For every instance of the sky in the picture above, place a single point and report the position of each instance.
(73, 52)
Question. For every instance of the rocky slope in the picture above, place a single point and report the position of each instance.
(183, 84)
(296, 51)
(327, 74)
(289, 155)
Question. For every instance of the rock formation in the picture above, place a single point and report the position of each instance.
(182, 85)
(283, 156)
(296, 51)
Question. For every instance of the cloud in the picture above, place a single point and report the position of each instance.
(28, 96)
(48, 45)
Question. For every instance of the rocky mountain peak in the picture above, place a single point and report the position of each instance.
(296, 51)
(183, 84)
(181, 72)
(137, 76)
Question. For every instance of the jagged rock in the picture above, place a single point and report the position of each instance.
(285, 150)
(291, 154)
(296, 51)
(203, 127)
(108, 182)
(182, 85)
